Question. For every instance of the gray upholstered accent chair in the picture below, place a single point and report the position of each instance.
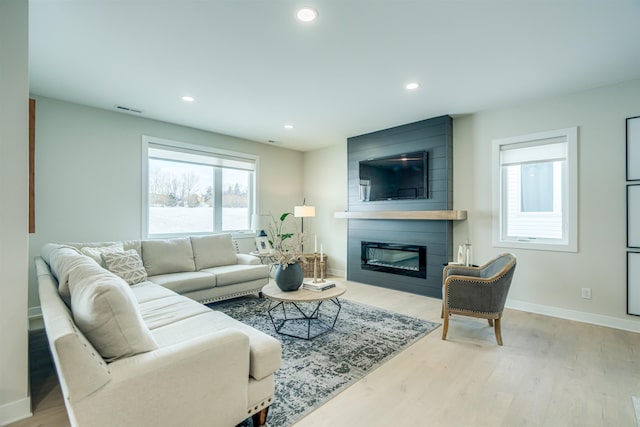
(477, 291)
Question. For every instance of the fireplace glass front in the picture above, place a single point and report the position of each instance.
(406, 260)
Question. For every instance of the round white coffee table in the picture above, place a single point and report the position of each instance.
(309, 315)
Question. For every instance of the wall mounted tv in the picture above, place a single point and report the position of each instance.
(398, 177)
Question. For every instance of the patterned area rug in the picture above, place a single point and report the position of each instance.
(313, 371)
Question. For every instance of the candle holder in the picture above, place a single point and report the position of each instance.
(315, 268)
(322, 271)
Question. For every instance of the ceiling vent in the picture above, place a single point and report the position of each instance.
(131, 110)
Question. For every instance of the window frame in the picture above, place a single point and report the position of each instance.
(147, 140)
(569, 201)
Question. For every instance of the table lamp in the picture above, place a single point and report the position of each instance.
(258, 222)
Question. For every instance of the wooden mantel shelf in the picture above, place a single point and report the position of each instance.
(409, 215)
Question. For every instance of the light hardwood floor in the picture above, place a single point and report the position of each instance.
(550, 372)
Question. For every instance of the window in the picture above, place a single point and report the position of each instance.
(191, 189)
(535, 191)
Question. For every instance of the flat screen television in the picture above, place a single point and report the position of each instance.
(398, 177)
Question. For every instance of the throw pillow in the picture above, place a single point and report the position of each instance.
(96, 252)
(213, 250)
(105, 309)
(63, 260)
(167, 256)
(127, 265)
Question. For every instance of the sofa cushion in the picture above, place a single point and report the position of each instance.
(213, 250)
(126, 244)
(127, 265)
(185, 282)
(148, 291)
(232, 274)
(95, 252)
(105, 310)
(264, 350)
(164, 311)
(62, 260)
(167, 256)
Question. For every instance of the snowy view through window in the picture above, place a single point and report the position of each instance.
(197, 198)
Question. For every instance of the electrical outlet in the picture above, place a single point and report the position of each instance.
(586, 293)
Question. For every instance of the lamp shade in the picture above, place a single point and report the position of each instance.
(304, 211)
(259, 221)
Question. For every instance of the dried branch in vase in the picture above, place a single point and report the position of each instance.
(287, 245)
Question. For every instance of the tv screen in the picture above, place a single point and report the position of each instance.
(397, 177)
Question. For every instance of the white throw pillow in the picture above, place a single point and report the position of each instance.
(213, 250)
(167, 256)
(127, 265)
(63, 259)
(104, 308)
(96, 252)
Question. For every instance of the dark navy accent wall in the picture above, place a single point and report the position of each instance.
(434, 136)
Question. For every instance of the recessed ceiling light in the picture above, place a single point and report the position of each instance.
(288, 126)
(307, 14)
(188, 98)
(412, 86)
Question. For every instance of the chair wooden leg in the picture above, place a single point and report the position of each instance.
(445, 326)
(498, 331)
(260, 418)
(490, 322)
(442, 310)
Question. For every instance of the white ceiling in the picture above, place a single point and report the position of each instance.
(252, 67)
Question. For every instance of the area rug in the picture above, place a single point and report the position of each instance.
(313, 371)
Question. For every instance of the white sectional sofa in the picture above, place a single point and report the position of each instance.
(204, 268)
(141, 354)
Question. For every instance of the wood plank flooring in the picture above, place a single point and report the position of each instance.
(550, 372)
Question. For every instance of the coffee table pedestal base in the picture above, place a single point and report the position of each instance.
(321, 326)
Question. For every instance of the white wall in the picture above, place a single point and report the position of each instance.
(14, 144)
(325, 187)
(88, 188)
(551, 282)
(545, 282)
(88, 173)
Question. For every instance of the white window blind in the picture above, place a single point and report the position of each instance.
(518, 154)
(191, 189)
(535, 188)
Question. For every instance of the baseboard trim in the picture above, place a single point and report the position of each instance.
(334, 272)
(579, 316)
(15, 411)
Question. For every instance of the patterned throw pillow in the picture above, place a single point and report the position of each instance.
(128, 265)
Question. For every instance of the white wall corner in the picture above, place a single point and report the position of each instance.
(579, 316)
(335, 272)
(15, 411)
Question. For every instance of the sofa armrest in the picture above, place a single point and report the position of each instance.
(247, 259)
(203, 380)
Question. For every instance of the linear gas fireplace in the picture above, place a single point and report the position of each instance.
(374, 253)
(405, 260)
